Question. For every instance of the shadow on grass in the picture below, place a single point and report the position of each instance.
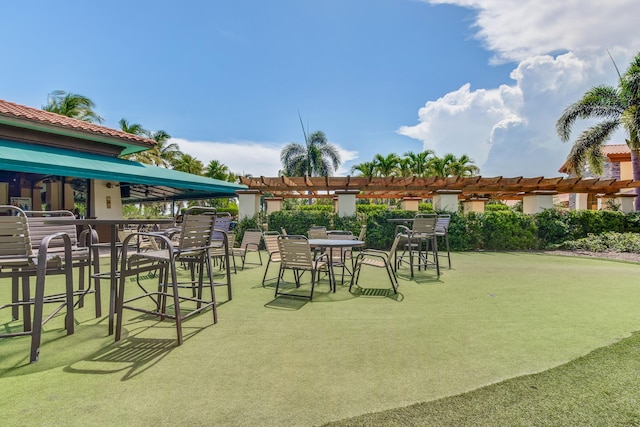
(287, 303)
(357, 291)
(132, 355)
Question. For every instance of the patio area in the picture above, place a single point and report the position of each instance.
(287, 361)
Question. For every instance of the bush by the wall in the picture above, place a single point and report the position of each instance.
(491, 230)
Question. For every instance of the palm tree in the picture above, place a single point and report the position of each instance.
(167, 152)
(404, 167)
(189, 164)
(367, 169)
(217, 170)
(440, 166)
(419, 162)
(72, 105)
(462, 166)
(134, 128)
(318, 157)
(616, 106)
(386, 165)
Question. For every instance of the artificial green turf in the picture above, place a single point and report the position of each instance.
(494, 317)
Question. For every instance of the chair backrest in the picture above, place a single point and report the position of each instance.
(15, 240)
(197, 228)
(363, 232)
(270, 239)
(340, 235)
(424, 223)
(317, 232)
(394, 248)
(295, 252)
(222, 223)
(231, 238)
(39, 228)
(251, 237)
(442, 223)
(142, 242)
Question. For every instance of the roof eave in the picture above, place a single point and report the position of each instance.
(128, 147)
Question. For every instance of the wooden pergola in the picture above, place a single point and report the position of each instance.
(498, 188)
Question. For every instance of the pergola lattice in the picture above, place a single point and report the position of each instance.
(467, 187)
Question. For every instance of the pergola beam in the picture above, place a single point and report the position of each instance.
(397, 187)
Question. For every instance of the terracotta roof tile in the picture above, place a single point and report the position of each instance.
(10, 109)
(610, 149)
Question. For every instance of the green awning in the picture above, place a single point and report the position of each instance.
(45, 160)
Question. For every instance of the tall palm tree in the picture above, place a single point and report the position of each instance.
(367, 169)
(617, 107)
(167, 152)
(134, 128)
(72, 105)
(189, 164)
(217, 170)
(318, 157)
(386, 165)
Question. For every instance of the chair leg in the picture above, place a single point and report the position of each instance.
(214, 305)
(36, 331)
(96, 283)
(26, 308)
(264, 277)
(176, 302)
(15, 297)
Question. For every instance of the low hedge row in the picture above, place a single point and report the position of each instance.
(490, 230)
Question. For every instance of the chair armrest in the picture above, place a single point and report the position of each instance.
(43, 250)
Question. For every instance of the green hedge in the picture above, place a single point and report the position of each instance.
(490, 230)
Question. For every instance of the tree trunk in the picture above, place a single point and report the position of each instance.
(635, 165)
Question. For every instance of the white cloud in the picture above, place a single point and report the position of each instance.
(518, 29)
(255, 158)
(510, 130)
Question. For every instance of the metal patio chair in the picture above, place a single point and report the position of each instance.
(18, 262)
(379, 259)
(296, 255)
(193, 250)
(250, 243)
(270, 239)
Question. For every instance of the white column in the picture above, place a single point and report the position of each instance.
(582, 201)
(106, 200)
(410, 203)
(473, 205)
(537, 201)
(346, 202)
(446, 200)
(273, 204)
(624, 201)
(248, 203)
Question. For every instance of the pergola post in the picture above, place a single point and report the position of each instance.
(623, 201)
(446, 200)
(537, 201)
(474, 204)
(346, 202)
(273, 204)
(248, 203)
(410, 203)
(582, 201)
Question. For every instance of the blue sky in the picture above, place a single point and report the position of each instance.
(227, 79)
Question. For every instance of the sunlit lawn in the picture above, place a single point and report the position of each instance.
(268, 361)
